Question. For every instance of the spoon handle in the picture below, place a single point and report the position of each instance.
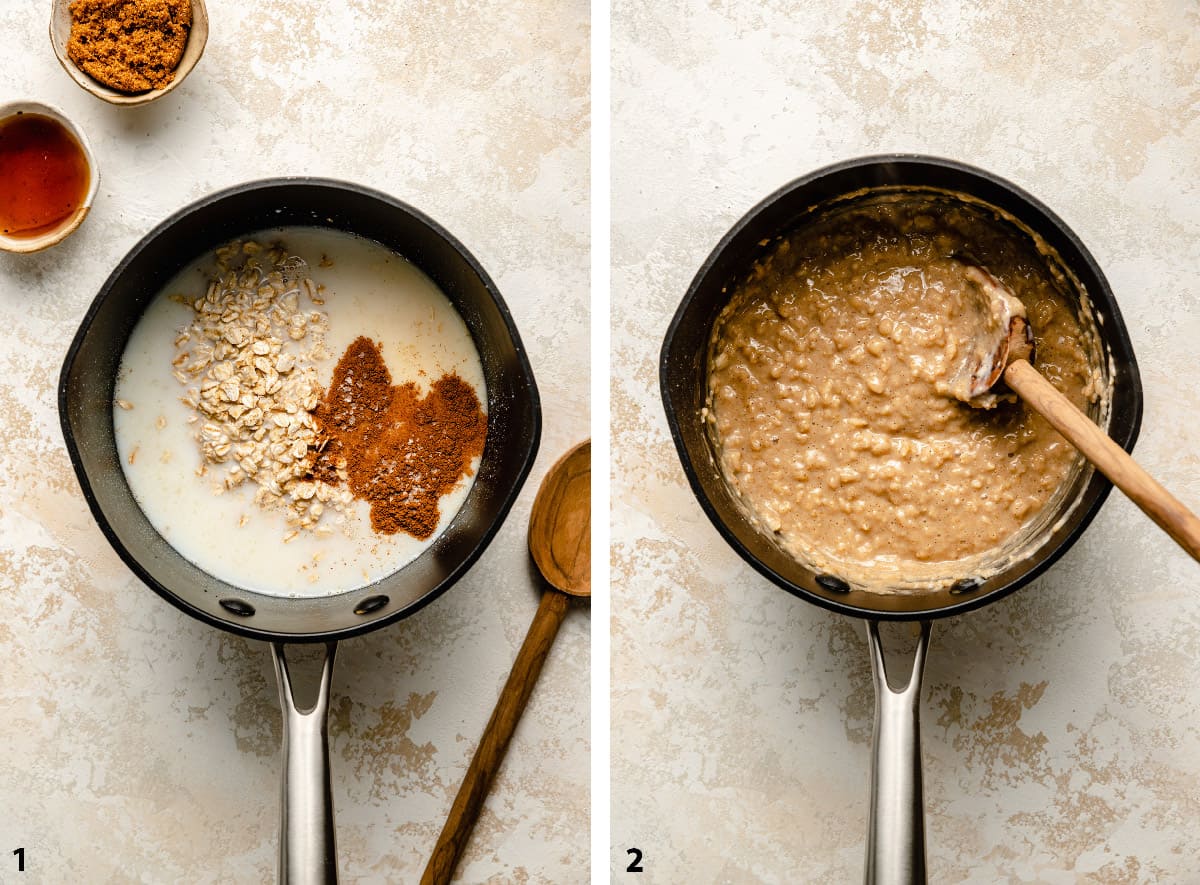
(496, 736)
(1108, 457)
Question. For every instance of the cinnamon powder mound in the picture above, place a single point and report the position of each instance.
(395, 449)
(129, 45)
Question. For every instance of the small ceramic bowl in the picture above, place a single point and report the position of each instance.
(63, 230)
(60, 33)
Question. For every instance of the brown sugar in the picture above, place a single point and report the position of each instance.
(396, 449)
(129, 45)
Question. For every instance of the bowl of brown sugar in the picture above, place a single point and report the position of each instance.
(128, 52)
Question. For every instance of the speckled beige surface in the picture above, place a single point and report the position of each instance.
(140, 745)
(1061, 725)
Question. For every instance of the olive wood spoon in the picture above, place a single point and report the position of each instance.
(560, 542)
(1012, 360)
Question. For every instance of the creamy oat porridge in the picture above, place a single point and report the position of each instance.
(828, 394)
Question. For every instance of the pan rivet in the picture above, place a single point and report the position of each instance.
(965, 585)
(371, 604)
(833, 584)
(239, 608)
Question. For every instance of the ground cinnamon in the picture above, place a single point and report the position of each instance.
(129, 45)
(396, 449)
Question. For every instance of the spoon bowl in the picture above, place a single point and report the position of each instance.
(1004, 335)
(560, 538)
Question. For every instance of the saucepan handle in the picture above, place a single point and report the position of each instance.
(896, 830)
(307, 849)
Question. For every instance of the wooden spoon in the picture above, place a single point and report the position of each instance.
(1010, 356)
(560, 542)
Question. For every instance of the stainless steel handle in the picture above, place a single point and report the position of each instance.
(307, 849)
(896, 830)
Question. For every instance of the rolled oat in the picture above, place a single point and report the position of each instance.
(250, 359)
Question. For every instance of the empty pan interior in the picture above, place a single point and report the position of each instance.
(683, 377)
(89, 372)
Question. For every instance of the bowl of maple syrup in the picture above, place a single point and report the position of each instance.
(48, 177)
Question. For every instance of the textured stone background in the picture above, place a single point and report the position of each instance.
(140, 745)
(1061, 724)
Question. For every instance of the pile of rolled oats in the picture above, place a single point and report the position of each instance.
(249, 359)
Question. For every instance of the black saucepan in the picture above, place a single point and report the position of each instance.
(895, 849)
(85, 397)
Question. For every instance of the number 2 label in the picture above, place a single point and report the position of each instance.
(635, 865)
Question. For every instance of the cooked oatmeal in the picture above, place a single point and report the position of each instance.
(828, 383)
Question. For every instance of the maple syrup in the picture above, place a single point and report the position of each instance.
(44, 175)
